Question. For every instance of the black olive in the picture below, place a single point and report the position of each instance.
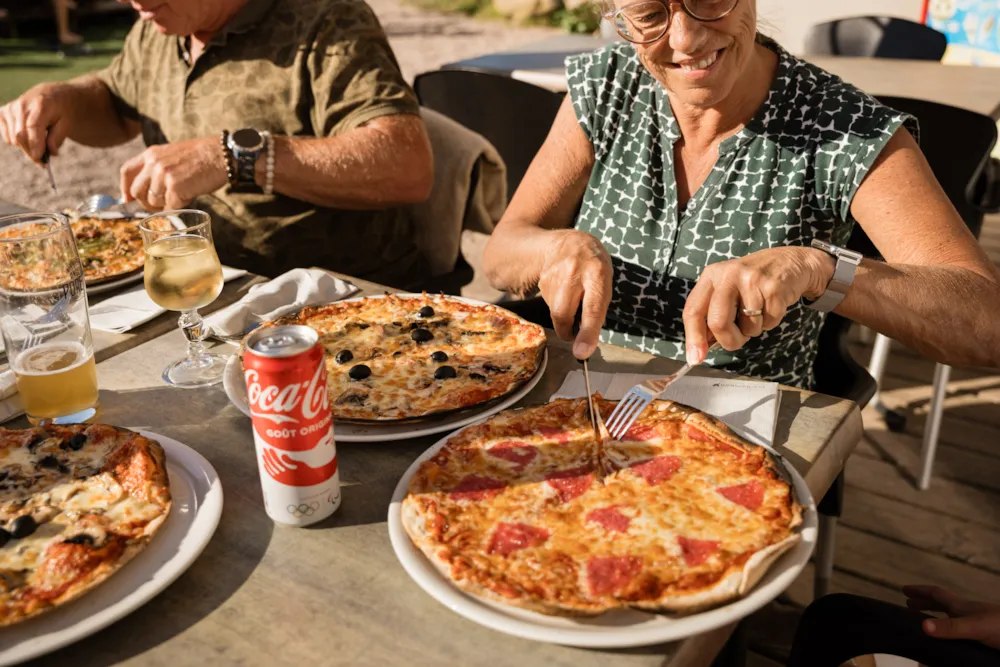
(421, 335)
(439, 357)
(23, 526)
(397, 353)
(445, 373)
(3, 475)
(343, 357)
(82, 538)
(49, 462)
(37, 441)
(359, 372)
(490, 368)
(4, 537)
(426, 311)
(75, 443)
(477, 376)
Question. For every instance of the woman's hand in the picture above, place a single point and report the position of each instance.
(967, 619)
(576, 269)
(769, 281)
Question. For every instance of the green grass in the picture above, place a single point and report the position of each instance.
(32, 59)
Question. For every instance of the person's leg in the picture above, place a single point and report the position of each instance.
(838, 627)
(66, 36)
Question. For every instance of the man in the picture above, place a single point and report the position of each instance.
(349, 148)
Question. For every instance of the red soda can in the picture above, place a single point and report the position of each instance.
(292, 424)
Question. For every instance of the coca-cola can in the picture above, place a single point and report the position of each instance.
(292, 424)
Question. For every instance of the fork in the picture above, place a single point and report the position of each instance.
(640, 396)
(97, 203)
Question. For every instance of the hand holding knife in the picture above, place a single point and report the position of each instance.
(592, 412)
(47, 161)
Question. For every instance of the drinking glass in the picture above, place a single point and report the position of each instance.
(182, 272)
(44, 319)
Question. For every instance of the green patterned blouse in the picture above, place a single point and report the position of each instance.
(787, 177)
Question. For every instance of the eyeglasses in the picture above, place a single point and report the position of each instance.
(646, 21)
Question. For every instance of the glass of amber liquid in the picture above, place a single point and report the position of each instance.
(44, 319)
(182, 272)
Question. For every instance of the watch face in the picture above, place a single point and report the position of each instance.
(248, 139)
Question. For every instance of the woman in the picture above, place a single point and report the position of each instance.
(704, 161)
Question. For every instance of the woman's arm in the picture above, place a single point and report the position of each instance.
(937, 291)
(532, 244)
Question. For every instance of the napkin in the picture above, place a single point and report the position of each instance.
(128, 310)
(749, 408)
(288, 292)
(10, 403)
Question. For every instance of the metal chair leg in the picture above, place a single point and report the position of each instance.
(933, 428)
(825, 546)
(876, 366)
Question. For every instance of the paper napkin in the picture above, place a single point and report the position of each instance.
(126, 311)
(749, 408)
(288, 292)
(10, 403)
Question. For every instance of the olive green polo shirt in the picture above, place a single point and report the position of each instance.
(299, 68)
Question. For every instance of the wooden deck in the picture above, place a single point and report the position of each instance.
(893, 534)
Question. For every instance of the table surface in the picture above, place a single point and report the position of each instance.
(973, 88)
(334, 593)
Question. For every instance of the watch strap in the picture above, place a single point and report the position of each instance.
(843, 276)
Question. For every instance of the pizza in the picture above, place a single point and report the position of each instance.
(533, 509)
(398, 357)
(76, 504)
(109, 248)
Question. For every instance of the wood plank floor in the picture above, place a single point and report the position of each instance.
(893, 534)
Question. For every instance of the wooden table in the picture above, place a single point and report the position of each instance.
(334, 594)
(973, 88)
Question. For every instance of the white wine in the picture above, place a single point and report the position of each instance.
(56, 380)
(182, 272)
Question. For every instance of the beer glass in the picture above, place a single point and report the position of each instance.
(183, 273)
(43, 315)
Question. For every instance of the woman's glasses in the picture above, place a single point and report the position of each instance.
(646, 21)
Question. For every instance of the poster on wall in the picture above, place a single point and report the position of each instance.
(972, 28)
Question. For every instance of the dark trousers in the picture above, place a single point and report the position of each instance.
(836, 628)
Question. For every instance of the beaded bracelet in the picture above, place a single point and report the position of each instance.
(269, 162)
(227, 157)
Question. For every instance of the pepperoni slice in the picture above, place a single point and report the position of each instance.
(640, 433)
(657, 470)
(610, 575)
(697, 552)
(571, 483)
(518, 453)
(610, 519)
(555, 433)
(697, 434)
(511, 537)
(475, 487)
(750, 495)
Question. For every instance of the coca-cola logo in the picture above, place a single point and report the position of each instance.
(300, 411)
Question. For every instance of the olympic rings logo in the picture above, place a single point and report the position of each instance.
(303, 509)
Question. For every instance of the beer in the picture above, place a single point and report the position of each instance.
(182, 272)
(57, 383)
(292, 424)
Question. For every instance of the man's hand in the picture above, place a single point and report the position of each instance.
(170, 176)
(967, 619)
(36, 119)
(577, 270)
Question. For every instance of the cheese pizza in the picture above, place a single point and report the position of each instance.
(405, 356)
(531, 508)
(76, 504)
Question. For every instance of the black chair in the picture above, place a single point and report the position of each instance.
(876, 37)
(513, 115)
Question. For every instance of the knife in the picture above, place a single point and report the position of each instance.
(47, 161)
(590, 399)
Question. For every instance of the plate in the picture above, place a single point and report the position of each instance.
(236, 390)
(194, 515)
(115, 283)
(616, 629)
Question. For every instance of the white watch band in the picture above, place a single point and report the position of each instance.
(843, 276)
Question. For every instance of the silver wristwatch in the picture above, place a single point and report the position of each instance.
(843, 276)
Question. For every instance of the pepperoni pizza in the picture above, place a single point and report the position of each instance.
(533, 509)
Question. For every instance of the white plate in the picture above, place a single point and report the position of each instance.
(130, 279)
(617, 629)
(234, 384)
(236, 390)
(197, 507)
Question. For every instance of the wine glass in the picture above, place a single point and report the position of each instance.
(183, 273)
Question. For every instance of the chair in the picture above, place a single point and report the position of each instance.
(957, 144)
(876, 37)
(513, 115)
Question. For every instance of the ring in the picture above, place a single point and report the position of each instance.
(154, 194)
(753, 313)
